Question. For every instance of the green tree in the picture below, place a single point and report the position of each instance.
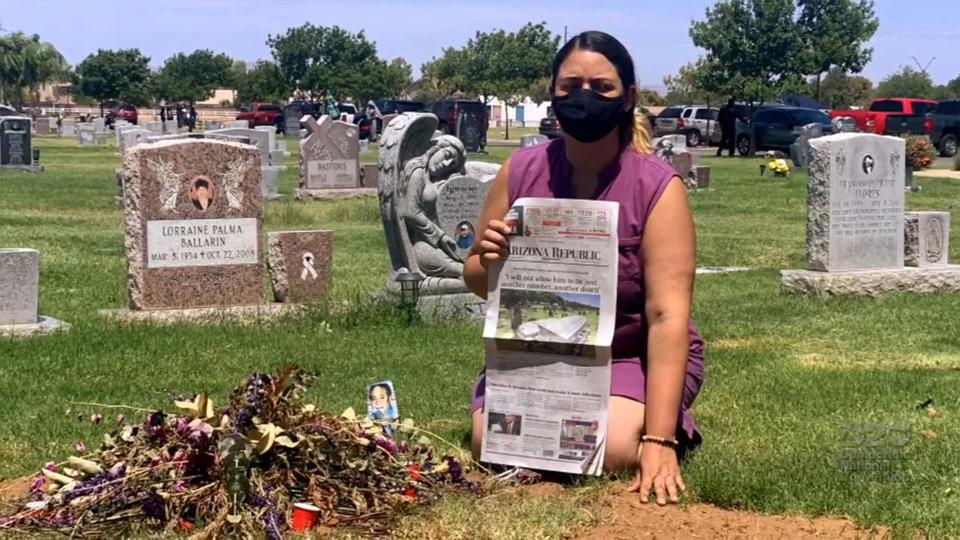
(688, 85)
(25, 64)
(508, 65)
(107, 74)
(951, 90)
(841, 91)
(835, 33)
(316, 59)
(262, 83)
(907, 82)
(649, 97)
(192, 77)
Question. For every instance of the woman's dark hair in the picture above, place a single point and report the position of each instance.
(203, 184)
(386, 388)
(635, 130)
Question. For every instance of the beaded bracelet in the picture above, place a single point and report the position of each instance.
(673, 443)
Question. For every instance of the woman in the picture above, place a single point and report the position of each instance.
(605, 154)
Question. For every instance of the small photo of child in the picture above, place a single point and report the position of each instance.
(382, 401)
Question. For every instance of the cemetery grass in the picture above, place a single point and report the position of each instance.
(790, 380)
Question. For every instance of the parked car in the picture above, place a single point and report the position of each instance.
(451, 110)
(777, 127)
(888, 116)
(550, 126)
(9, 111)
(689, 120)
(946, 127)
(369, 120)
(118, 110)
(259, 114)
(348, 111)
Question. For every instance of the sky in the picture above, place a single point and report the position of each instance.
(655, 31)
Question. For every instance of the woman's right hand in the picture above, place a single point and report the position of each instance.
(492, 246)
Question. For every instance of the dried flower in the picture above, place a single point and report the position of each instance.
(80, 447)
(120, 419)
(51, 466)
(96, 418)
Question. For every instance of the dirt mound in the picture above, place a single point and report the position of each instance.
(624, 517)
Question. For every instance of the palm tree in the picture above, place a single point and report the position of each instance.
(26, 63)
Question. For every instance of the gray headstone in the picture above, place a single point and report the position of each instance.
(132, 137)
(855, 202)
(683, 163)
(291, 123)
(15, 141)
(800, 149)
(926, 238)
(19, 285)
(154, 126)
(270, 182)
(703, 176)
(211, 125)
(68, 128)
(533, 140)
(677, 143)
(271, 137)
(99, 124)
(43, 126)
(281, 145)
(232, 124)
(193, 224)
(458, 209)
(276, 157)
(329, 155)
(258, 138)
(86, 134)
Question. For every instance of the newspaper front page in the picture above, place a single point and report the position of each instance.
(550, 318)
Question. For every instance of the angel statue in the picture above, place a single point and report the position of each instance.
(414, 167)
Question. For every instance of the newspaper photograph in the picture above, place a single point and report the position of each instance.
(551, 310)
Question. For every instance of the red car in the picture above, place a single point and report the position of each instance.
(874, 119)
(121, 111)
(259, 114)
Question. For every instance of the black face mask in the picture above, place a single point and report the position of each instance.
(586, 115)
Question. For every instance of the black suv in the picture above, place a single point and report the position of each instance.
(549, 126)
(467, 119)
(778, 126)
(367, 118)
(946, 127)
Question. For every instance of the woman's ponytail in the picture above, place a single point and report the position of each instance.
(641, 142)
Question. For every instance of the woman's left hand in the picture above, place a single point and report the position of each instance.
(657, 469)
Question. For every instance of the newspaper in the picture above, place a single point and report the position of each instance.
(551, 310)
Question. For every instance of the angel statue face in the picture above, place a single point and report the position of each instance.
(446, 159)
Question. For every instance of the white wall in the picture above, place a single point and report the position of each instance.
(532, 113)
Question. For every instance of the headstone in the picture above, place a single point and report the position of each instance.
(16, 148)
(855, 202)
(209, 136)
(19, 286)
(300, 264)
(385, 121)
(676, 143)
(211, 125)
(258, 138)
(170, 127)
(270, 183)
(368, 175)
(302, 133)
(364, 147)
(271, 137)
(458, 207)
(291, 122)
(281, 145)
(68, 128)
(703, 176)
(193, 218)
(154, 126)
(42, 126)
(276, 157)
(926, 238)
(683, 163)
(328, 156)
(234, 124)
(100, 124)
(533, 140)
(132, 137)
(86, 134)
(800, 149)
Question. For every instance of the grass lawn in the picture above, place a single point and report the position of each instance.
(793, 383)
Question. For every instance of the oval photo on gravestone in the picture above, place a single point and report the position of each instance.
(202, 192)
(868, 164)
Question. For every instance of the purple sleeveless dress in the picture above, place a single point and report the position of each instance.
(636, 182)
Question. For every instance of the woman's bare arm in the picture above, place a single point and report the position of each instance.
(491, 238)
(669, 259)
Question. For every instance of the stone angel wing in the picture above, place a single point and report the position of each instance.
(407, 136)
(232, 177)
(170, 181)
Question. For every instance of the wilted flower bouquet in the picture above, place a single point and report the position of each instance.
(237, 471)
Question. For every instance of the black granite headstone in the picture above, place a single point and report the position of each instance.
(469, 130)
(15, 148)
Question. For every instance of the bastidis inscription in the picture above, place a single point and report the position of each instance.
(335, 173)
(203, 242)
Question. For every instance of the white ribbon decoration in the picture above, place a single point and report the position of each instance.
(308, 269)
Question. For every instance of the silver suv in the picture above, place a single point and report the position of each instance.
(689, 120)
